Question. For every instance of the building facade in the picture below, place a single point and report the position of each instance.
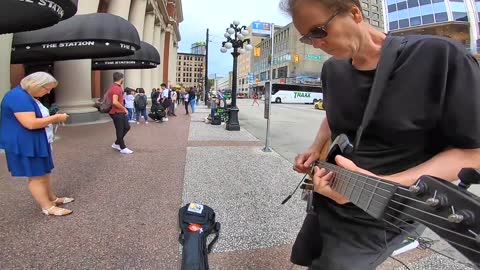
(190, 70)
(157, 23)
(458, 19)
(198, 48)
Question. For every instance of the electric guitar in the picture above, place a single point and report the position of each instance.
(447, 209)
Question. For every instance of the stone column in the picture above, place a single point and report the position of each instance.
(156, 43)
(73, 94)
(148, 37)
(120, 8)
(133, 77)
(163, 59)
(6, 47)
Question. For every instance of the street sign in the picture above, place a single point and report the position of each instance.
(261, 29)
(251, 77)
(313, 57)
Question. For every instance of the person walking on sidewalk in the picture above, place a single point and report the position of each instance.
(191, 98)
(255, 99)
(186, 98)
(23, 136)
(119, 113)
(129, 100)
(140, 104)
(173, 103)
(437, 134)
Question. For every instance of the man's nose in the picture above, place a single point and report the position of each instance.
(318, 43)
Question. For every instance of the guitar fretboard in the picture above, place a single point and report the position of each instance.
(371, 194)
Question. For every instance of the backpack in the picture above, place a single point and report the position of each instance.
(141, 102)
(196, 223)
(105, 104)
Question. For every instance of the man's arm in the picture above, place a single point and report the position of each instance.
(323, 136)
(117, 103)
(445, 165)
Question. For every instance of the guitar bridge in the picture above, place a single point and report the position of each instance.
(307, 194)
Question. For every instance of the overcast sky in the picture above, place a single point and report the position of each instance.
(217, 15)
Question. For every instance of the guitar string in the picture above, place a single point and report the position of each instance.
(425, 242)
(416, 209)
(437, 226)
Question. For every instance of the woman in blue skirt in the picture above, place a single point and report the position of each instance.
(24, 138)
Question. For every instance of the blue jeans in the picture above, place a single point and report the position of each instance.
(192, 104)
(130, 114)
(144, 114)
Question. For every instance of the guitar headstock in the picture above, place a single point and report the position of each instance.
(449, 210)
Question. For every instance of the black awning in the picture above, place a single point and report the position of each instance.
(27, 15)
(80, 37)
(146, 57)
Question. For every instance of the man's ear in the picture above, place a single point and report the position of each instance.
(356, 14)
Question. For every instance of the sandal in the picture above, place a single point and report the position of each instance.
(64, 200)
(56, 211)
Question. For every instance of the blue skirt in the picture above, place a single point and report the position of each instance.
(22, 166)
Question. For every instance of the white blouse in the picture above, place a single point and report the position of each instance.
(46, 113)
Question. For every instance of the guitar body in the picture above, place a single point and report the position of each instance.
(449, 210)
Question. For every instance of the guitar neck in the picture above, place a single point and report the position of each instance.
(371, 194)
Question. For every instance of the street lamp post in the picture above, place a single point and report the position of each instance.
(237, 42)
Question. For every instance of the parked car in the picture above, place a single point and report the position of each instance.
(241, 95)
(318, 105)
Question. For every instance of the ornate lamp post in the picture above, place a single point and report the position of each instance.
(240, 45)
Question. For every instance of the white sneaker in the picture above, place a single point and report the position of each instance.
(146, 122)
(126, 151)
(131, 121)
(165, 119)
(116, 146)
(138, 123)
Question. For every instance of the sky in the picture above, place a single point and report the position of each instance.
(217, 15)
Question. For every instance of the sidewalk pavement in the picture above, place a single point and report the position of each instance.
(125, 213)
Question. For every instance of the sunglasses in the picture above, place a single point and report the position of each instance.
(318, 32)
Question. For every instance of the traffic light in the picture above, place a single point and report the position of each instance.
(296, 58)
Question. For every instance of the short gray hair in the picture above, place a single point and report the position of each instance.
(35, 81)
(340, 6)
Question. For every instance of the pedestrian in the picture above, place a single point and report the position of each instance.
(165, 100)
(186, 98)
(140, 104)
(427, 122)
(255, 99)
(173, 103)
(24, 137)
(119, 113)
(191, 98)
(129, 99)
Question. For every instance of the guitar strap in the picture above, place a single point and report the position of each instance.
(390, 50)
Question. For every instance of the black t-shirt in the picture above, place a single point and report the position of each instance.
(432, 101)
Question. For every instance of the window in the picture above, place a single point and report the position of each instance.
(404, 23)
(374, 8)
(375, 23)
(364, 5)
(415, 21)
(425, 2)
(427, 19)
(393, 25)
(460, 16)
(375, 16)
(441, 17)
(401, 5)
(413, 3)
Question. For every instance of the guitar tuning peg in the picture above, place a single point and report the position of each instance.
(419, 188)
(436, 201)
(455, 218)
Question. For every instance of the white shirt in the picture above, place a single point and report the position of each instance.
(46, 113)
(129, 101)
(165, 92)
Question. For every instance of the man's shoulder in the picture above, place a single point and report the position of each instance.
(429, 44)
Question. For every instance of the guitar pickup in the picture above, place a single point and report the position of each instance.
(306, 187)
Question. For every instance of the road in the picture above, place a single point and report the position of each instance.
(292, 126)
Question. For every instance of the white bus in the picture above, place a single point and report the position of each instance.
(295, 94)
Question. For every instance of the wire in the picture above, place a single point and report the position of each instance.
(291, 194)
(404, 265)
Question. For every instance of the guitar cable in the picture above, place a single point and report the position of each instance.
(295, 190)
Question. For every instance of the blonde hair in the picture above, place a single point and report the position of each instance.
(35, 81)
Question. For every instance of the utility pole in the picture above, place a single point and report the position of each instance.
(205, 97)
